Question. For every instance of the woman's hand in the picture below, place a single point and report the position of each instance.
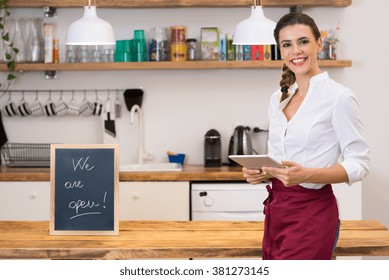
(292, 175)
(254, 176)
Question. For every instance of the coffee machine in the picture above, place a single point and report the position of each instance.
(212, 149)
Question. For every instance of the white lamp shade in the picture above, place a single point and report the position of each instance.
(255, 30)
(90, 30)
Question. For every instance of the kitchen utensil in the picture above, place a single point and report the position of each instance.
(86, 109)
(133, 97)
(109, 120)
(37, 107)
(61, 107)
(10, 108)
(98, 106)
(118, 105)
(73, 109)
(240, 142)
(49, 107)
(212, 148)
(24, 109)
(109, 125)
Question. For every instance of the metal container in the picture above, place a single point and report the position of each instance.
(191, 49)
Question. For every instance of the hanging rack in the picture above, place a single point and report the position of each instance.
(60, 90)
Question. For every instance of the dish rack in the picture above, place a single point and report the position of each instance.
(26, 154)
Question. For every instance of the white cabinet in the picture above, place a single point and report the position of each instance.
(25, 201)
(154, 201)
(30, 201)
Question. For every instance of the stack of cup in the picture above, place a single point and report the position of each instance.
(123, 51)
(140, 47)
(177, 43)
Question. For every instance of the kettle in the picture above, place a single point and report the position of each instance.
(240, 142)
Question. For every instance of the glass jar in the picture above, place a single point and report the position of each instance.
(159, 44)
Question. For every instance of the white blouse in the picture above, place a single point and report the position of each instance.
(326, 129)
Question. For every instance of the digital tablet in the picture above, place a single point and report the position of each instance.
(255, 161)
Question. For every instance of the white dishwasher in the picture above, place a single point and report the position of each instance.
(227, 201)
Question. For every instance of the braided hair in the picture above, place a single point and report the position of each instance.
(288, 78)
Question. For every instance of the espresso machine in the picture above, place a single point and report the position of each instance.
(212, 149)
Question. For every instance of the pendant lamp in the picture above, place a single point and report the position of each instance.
(256, 29)
(90, 29)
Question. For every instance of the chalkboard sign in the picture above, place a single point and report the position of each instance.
(84, 189)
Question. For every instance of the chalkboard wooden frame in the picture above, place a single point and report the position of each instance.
(98, 167)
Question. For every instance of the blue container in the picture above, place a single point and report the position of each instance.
(178, 158)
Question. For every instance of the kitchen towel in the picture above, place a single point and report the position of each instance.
(109, 124)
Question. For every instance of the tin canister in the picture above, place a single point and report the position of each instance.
(178, 52)
(177, 34)
(191, 49)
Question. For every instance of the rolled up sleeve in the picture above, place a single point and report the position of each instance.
(348, 125)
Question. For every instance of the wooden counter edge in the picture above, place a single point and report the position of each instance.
(358, 241)
(189, 173)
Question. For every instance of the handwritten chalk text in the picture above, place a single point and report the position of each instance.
(75, 184)
(82, 164)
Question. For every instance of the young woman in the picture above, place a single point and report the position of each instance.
(315, 130)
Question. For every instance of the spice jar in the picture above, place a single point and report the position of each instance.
(191, 49)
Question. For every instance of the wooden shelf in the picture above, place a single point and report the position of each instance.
(163, 65)
(176, 3)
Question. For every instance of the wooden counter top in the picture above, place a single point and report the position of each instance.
(158, 239)
(189, 173)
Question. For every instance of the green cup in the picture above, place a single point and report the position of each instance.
(140, 47)
(122, 53)
(139, 34)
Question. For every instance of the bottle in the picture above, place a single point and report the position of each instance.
(230, 48)
(222, 47)
(34, 42)
(55, 51)
(19, 42)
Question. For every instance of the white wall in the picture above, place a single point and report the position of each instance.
(181, 105)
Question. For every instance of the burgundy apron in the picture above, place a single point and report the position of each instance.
(300, 223)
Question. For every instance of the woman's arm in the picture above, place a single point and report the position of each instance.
(295, 174)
